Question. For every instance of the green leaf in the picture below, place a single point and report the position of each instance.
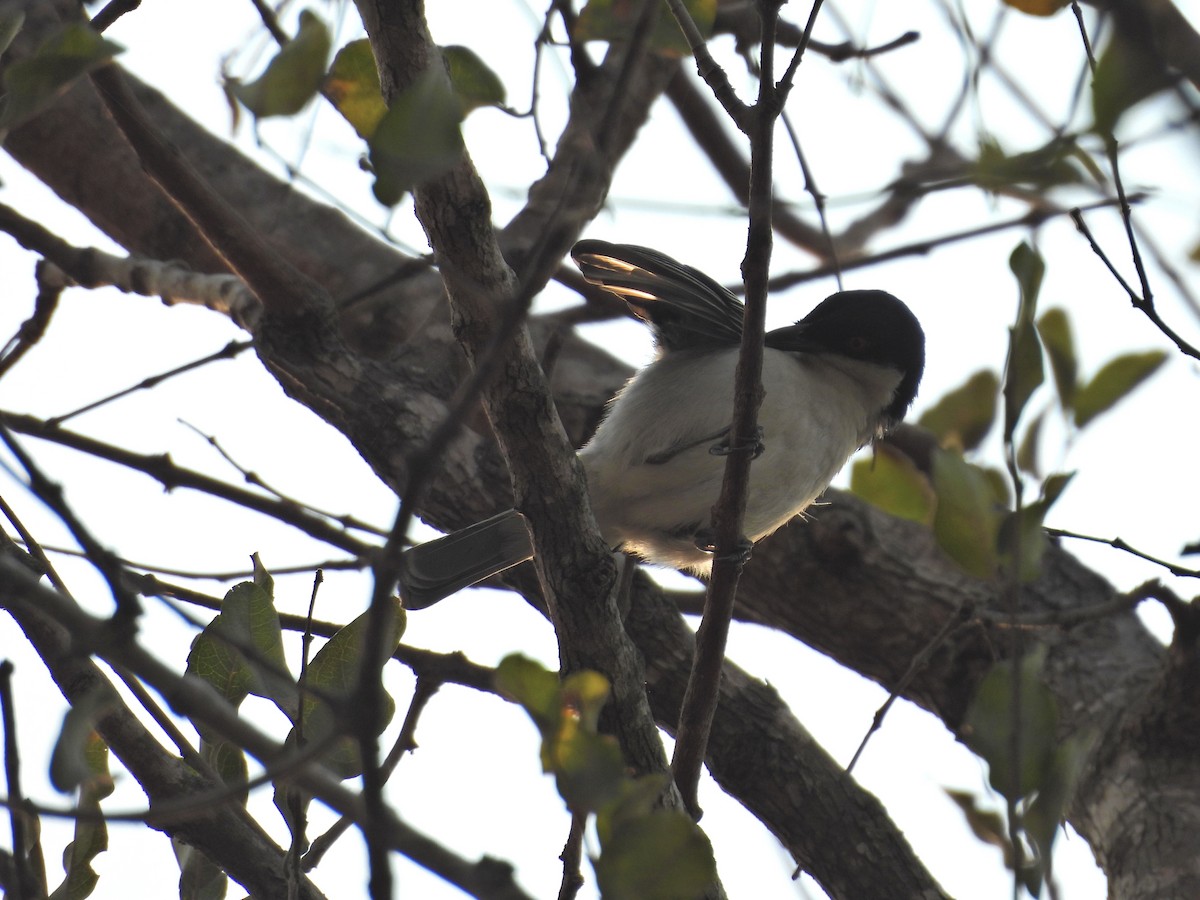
(531, 685)
(262, 577)
(661, 856)
(963, 417)
(1048, 809)
(997, 482)
(1023, 538)
(1057, 163)
(473, 82)
(967, 517)
(1054, 328)
(240, 652)
(1127, 72)
(1023, 372)
(199, 877)
(1114, 382)
(991, 717)
(228, 761)
(1022, 542)
(352, 85)
(587, 767)
(1027, 452)
(585, 693)
(91, 831)
(32, 84)
(72, 762)
(889, 480)
(615, 20)
(637, 797)
(215, 662)
(293, 77)
(248, 619)
(418, 139)
(11, 20)
(334, 673)
(335, 669)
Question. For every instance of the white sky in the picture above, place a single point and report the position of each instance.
(475, 782)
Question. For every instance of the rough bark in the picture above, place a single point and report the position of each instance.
(875, 590)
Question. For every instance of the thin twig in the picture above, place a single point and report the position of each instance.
(1032, 219)
(1143, 299)
(33, 547)
(703, 688)
(171, 476)
(24, 837)
(108, 564)
(1120, 544)
(572, 856)
(113, 11)
(271, 22)
(229, 351)
(955, 622)
(32, 329)
(1139, 302)
(253, 478)
(708, 68)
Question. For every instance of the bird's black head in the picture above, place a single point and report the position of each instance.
(872, 326)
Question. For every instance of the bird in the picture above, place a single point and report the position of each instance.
(833, 382)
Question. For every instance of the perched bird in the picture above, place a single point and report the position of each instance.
(837, 379)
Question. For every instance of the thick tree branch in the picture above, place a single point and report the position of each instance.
(875, 589)
(573, 563)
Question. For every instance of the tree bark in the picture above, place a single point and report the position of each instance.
(868, 590)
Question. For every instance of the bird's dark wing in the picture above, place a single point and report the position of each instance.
(683, 306)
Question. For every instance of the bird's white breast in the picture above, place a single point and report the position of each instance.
(817, 410)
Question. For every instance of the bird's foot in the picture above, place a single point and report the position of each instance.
(706, 540)
(725, 446)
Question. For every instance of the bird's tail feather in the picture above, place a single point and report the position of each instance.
(684, 306)
(436, 569)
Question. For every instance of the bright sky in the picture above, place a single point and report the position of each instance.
(475, 782)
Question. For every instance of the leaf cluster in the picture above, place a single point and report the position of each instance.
(970, 507)
(240, 653)
(646, 852)
(1012, 723)
(417, 138)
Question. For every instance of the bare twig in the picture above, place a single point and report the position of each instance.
(1144, 303)
(708, 68)
(1035, 217)
(229, 351)
(162, 469)
(700, 699)
(960, 617)
(28, 869)
(1120, 544)
(32, 329)
(571, 857)
(127, 606)
(112, 11)
(346, 520)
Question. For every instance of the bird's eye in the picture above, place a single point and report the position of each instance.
(858, 344)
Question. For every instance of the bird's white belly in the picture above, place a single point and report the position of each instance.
(814, 415)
